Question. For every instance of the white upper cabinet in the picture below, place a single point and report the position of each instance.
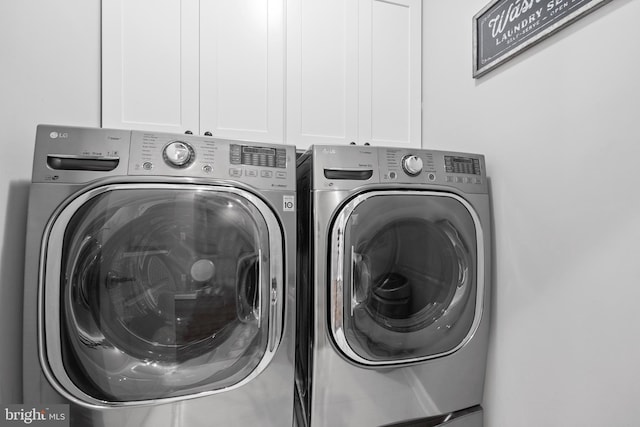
(353, 69)
(150, 65)
(204, 66)
(354, 72)
(242, 69)
(390, 72)
(322, 78)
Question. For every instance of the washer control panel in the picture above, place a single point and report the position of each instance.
(268, 166)
(67, 154)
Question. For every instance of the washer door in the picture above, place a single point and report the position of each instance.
(155, 291)
(404, 283)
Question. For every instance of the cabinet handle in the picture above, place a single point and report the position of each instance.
(352, 143)
(188, 132)
(207, 133)
(367, 144)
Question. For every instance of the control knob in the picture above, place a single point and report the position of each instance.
(178, 154)
(412, 164)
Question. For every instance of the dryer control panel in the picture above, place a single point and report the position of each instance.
(461, 170)
(348, 167)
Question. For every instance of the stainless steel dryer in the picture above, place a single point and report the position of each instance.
(160, 279)
(393, 287)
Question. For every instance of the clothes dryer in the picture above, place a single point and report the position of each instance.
(393, 287)
(160, 279)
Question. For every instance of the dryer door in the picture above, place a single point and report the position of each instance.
(404, 276)
(157, 291)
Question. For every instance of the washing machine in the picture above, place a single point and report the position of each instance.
(394, 287)
(160, 279)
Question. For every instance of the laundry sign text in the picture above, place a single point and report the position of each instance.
(504, 28)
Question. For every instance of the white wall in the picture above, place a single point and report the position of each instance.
(49, 73)
(560, 127)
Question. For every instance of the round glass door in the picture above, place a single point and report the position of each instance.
(403, 276)
(166, 292)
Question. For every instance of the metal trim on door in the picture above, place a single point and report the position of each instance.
(337, 251)
(49, 288)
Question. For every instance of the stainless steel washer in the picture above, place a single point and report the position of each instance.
(160, 279)
(393, 283)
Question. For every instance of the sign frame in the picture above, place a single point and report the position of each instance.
(520, 24)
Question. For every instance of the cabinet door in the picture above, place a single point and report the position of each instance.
(354, 72)
(322, 72)
(150, 64)
(242, 69)
(390, 90)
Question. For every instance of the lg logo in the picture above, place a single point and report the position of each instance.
(62, 135)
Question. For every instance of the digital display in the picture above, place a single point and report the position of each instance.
(465, 165)
(259, 150)
(258, 156)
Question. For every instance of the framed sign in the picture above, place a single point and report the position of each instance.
(504, 28)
